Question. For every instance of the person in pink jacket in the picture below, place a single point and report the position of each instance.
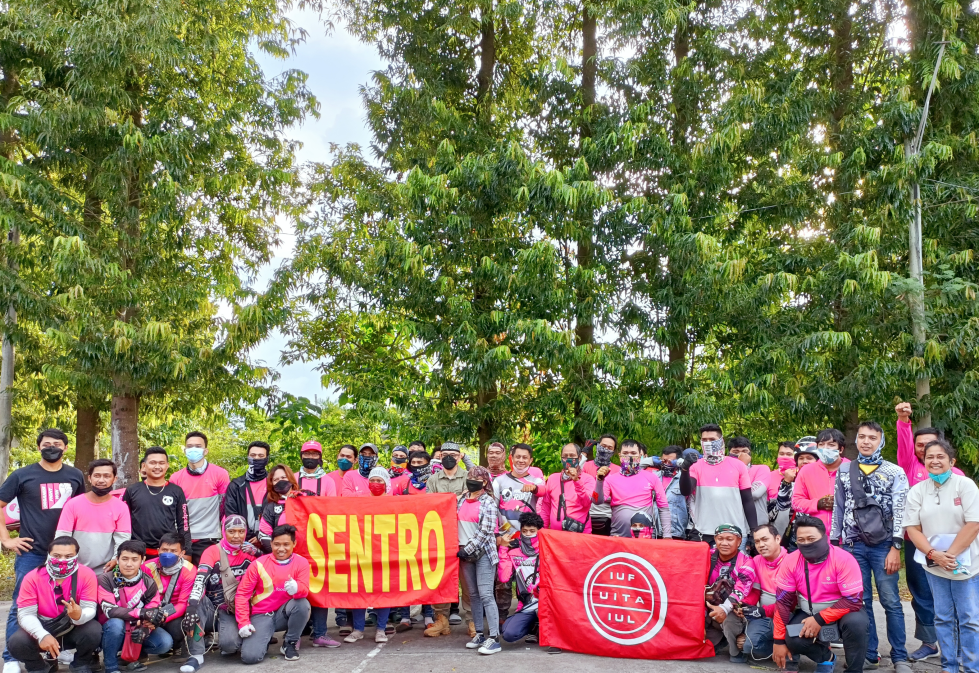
(910, 458)
(520, 562)
(815, 483)
(567, 496)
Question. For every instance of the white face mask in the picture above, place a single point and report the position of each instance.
(828, 456)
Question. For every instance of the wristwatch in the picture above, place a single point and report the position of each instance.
(897, 544)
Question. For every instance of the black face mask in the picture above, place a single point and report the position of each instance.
(101, 491)
(282, 487)
(473, 485)
(312, 463)
(256, 468)
(815, 552)
(52, 454)
(449, 462)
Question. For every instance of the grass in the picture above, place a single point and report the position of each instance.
(6, 575)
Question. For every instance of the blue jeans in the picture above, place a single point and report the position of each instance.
(319, 616)
(871, 560)
(23, 564)
(922, 601)
(113, 635)
(957, 622)
(360, 618)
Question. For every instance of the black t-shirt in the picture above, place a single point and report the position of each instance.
(156, 511)
(41, 495)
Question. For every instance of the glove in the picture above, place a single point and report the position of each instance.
(189, 622)
(246, 630)
(249, 548)
(291, 586)
(690, 456)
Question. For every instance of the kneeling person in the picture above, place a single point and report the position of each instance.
(212, 600)
(835, 598)
(56, 610)
(174, 578)
(272, 597)
(128, 598)
(732, 578)
(758, 631)
(520, 561)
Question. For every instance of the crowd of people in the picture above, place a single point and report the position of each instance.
(194, 560)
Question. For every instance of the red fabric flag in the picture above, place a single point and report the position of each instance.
(619, 597)
(380, 551)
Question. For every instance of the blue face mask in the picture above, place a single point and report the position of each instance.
(194, 454)
(941, 478)
(168, 559)
(344, 464)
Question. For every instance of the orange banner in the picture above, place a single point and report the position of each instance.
(378, 552)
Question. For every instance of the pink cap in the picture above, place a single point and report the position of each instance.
(312, 445)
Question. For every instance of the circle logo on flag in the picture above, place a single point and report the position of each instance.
(625, 598)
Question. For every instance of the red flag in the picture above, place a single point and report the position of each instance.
(619, 597)
(378, 551)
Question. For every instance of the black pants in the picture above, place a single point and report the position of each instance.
(601, 526)
(694, 535)
(853, 630)
(197, 548)
(173, 627)
(85, 639)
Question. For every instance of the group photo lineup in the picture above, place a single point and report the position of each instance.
(434, 336)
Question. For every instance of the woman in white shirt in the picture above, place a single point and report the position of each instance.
(942, 520)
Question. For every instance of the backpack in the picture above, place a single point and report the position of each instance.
(872, 526)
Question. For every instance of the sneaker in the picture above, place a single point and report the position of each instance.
(902, 667)
(826, 666)
(405, 625)
(554, 650)
(476, 642)
(66, 656)
(739, 658)
(531, 638)
(926, 651)
(389, 629)
(454, 618)
(190, 665)
(11, 667)
(872, 664)
(136, 666)
(290, 650)
(346, 630)
(490, 646)
(354, 637)
(380, 637)
(324, 641)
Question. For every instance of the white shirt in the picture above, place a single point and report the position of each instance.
(944, 510)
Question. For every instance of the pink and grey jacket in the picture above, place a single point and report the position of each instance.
(205, 499)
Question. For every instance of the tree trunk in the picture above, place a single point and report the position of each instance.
(87, 425)
(850, 424)
(125, 437)
(8, 140)
(585, 318)
(487, 64)
(487, 426)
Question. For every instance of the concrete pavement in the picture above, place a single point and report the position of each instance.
(412, 653)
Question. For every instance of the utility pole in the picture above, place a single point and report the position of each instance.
(916, 298)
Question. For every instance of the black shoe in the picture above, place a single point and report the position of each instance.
(290, 651)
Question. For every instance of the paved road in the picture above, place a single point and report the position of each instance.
(412, 653)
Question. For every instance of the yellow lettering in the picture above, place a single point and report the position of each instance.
(335, 523)
(361, 555)
(407, 549)
(384, 527)
(317, 574)
(433, 525)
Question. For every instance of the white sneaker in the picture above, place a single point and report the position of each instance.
(380, 637)
(355, 636)
(11, 667)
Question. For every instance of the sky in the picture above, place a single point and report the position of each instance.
(337, 65)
